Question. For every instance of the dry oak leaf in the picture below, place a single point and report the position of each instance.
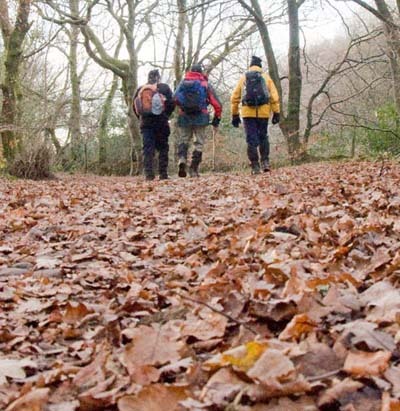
(365, 364)
(361, 331)
(275, 376)
(392, 375)
(75, 312)
(300, 325)
(102, 395)
(156, 397)
(95, 372)
(222, 387)
(150, 346)
(272, 367)
(318, 360)
(262, 392)
(383, 302)
(14, 368)
(210, 325)
(339, 390)
(242, 357)
(32, 401)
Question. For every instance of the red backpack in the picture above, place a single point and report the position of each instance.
(149, 101)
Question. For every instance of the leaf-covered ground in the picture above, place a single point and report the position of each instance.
(228, 292)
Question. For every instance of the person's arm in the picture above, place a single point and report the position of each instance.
(169, 102)
(214, 101)
(236, 97)
(133, 102)
(175, 95)
(273, 96)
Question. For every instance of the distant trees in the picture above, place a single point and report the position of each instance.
(118, 41)
(388, 15)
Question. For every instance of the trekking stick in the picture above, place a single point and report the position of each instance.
(214, 132)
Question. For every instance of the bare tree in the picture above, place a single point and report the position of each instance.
(133, 20)
(388, 16)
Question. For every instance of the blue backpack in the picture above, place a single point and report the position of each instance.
(191, 96)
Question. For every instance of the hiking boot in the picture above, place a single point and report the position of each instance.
(255, 168)
(149, 177)
(265, 166)
(193, 172)
(163, 176)
(182, 170)
(194, 165)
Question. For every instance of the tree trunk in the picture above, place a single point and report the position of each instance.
(129, 86)
(13, 38)
(291, 127)
(104, 120)
(392, 35)
(179, 41)
(75, 115)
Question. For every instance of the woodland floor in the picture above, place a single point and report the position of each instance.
(227, 292)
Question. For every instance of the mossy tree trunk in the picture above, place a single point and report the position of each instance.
(13, 38)
(77, 149)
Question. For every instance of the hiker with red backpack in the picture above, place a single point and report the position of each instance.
(192, 96)
(153, 104)
(259, 99)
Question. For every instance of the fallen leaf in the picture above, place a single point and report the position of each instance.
(300, 325)
(156, 397)
(14, 368)
(365, 364)
(34, 400)
(150, 347)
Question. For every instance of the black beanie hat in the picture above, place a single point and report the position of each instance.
(154, 76)
(197, 68)
(255, 61)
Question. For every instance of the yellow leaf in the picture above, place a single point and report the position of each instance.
(247, 357)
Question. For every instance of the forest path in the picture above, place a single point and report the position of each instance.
(111, 284)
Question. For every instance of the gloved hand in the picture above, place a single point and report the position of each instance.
(275, 118)
(215, 121)
(236, 120)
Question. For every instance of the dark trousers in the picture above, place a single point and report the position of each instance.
(256, 130)
(155, 139)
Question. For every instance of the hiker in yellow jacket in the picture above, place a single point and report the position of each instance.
(259, 100)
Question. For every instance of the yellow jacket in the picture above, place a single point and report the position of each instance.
(262, 111)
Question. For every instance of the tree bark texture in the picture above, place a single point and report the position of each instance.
(179, 41)
(75, 113)
(291, 126)
(13, 37)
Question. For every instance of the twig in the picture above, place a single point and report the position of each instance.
(382, 167)
(193, 300)
(323, 376)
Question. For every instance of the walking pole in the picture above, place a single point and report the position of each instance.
(214, 132)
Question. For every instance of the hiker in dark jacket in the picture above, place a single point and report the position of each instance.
(192, 96)
(255, 117)
(153, 104)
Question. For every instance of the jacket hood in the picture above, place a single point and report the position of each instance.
(193, 75)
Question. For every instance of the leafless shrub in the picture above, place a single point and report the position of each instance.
(33, 162)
